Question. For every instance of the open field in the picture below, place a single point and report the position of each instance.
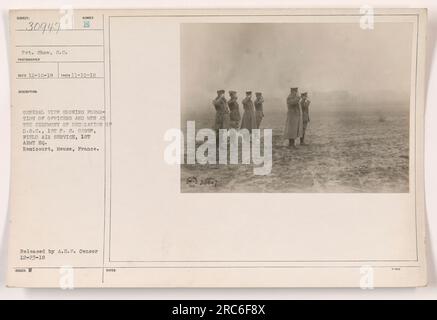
(347, 152)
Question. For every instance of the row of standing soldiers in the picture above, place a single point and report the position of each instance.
(228, 113)
(298, 117)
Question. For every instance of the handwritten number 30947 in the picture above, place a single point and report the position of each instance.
(43, 26)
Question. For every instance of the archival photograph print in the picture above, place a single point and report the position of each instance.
(295, 107)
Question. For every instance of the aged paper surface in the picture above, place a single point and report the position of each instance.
(119, 178)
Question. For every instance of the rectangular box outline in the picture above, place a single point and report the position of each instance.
(417, 15)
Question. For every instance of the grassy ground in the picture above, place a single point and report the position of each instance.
(346, 153)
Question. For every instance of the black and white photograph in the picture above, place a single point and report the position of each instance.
(211, 152)
(336, 97)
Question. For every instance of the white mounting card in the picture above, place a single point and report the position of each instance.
(217, 148)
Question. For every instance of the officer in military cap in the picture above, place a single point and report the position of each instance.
(293, 125)
(220, 106)
(304, 105)
(234, 109)
(248, 122)
(259, 112)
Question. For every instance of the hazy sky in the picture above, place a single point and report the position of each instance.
(274, 57)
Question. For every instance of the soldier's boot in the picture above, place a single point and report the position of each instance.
(302, 141)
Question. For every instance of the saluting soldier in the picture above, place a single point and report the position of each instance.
(293, 125)
(220, 106)
(248, 122)
(226, 113)
(259, 112)
(234, 109)
(304, 104)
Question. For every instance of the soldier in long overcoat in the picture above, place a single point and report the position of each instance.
(220, 106)
(293, 125)
(234, 110)
(304, 105)
(259, 112)
(248, 122)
